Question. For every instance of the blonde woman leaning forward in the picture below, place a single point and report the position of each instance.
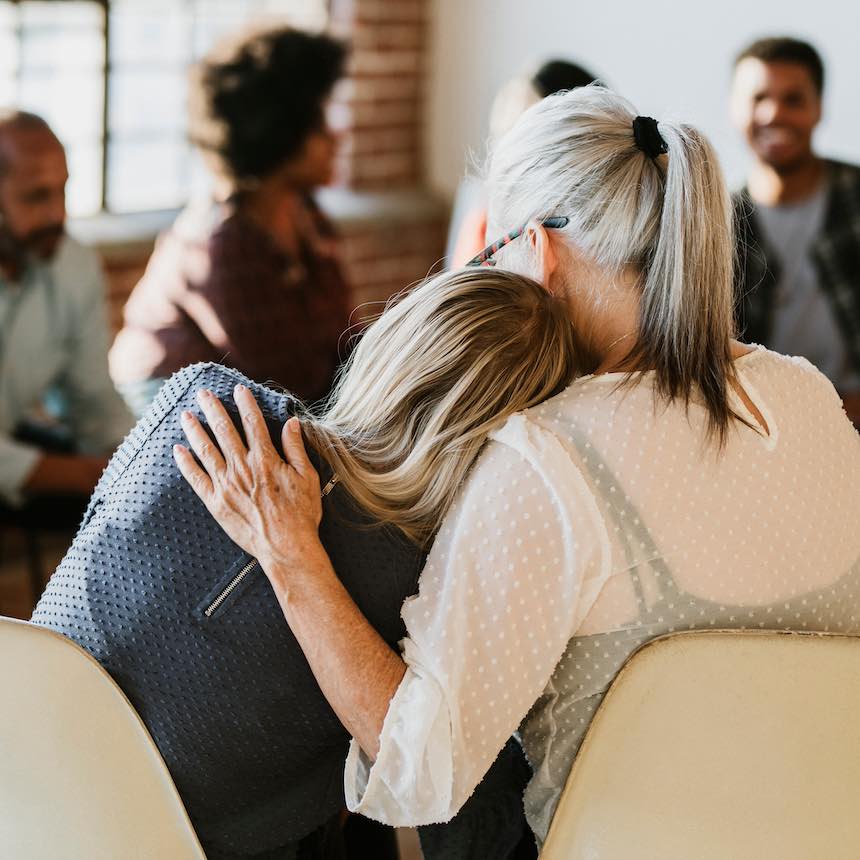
(688, 481)
(428, 382)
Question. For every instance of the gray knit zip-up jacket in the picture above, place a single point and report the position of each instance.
(190, 629)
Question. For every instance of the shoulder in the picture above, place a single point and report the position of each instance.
(236, 244)
(74, 259)
(843, 190)
(529, 483)
(210, 227)
(540, 442)
(765, 361)
(77, 272)
(843, 173)
(229, 229)
(803, 385)
(803, 405)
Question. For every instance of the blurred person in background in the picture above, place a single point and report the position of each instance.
(798, 218)
(467, 231)
(59, 413)
(252, 281)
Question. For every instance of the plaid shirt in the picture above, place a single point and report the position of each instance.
(218, 289)
(835, 253)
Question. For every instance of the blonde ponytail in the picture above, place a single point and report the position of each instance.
(685, 319)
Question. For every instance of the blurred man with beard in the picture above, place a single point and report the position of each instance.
(53, 338)
(798, 219)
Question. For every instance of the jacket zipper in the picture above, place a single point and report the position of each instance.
(234, 582)
(231, 586)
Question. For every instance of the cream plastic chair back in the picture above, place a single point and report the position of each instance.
(720, 744)
(80, 777)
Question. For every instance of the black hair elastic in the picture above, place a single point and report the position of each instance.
(648, 139)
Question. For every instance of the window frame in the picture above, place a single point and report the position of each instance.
(107, 60)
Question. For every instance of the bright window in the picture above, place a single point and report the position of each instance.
(110, 78)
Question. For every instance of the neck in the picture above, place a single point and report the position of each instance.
(275, 211)
(606, 328)
(769, 186)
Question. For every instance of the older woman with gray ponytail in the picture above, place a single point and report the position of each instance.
(687, 481)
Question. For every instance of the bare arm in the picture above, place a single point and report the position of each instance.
(356, 670)
(272, 509)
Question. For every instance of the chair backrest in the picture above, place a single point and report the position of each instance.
(720, 744)
(80, 777)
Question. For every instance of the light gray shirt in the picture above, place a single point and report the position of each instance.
(53, 337)
(803, 320)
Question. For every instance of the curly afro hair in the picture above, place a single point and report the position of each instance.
(253, 101)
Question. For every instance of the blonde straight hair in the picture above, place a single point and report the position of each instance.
(668, 218)
(429, 380)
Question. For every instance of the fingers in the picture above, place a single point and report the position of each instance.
(201, 444)
(294, 447)
(196, 477)
(223, 429)
(256, 430)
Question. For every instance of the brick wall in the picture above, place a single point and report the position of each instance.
(381, 262)
(393, 232)
(381, 102)
(122, 273)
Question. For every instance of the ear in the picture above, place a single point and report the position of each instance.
(544, 250)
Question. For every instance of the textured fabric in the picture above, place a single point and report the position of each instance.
(491, 825)
(835, 255)
(218, 289)
(53, 339)
(593, 523)
(139, 395)
(255, 751)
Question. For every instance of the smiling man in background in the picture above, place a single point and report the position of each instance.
(798, 218)
(60, 416)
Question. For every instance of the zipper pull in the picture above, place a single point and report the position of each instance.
(329, 486)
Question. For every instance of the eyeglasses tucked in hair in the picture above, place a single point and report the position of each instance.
(483, 259)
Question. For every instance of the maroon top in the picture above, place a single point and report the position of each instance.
(217, 288)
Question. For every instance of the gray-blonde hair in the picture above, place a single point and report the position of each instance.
(429, 380)
(668, 218)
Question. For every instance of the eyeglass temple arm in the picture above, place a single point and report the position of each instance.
(555, 222)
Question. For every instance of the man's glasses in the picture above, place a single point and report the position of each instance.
(483, 259)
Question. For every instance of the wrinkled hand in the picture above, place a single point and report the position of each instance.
(269, 506)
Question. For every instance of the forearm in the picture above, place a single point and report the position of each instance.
(273, 509)
(356, 670)
(65, 473)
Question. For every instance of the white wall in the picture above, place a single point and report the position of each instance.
(670, 58)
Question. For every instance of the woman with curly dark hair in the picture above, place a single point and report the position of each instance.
(252, 281)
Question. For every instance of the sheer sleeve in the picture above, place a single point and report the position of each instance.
(515, 567)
